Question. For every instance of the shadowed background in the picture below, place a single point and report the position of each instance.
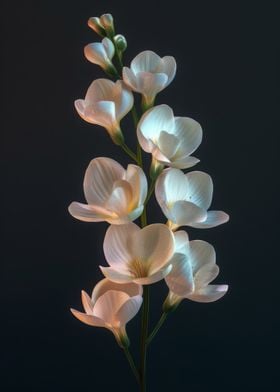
(223, 52)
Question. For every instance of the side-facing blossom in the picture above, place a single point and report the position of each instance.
(149, 74)
(138, 255)
(111, 306)
(185, 199)
(113, 194)
(171, 140)
(193, 268)
(105, 104)
(101, 53)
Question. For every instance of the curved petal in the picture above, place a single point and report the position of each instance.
(102, 113)
(169, 67)
(96, 54)
(124, 100)
(154, 277)
(182, 243)
(87, 304)
(116, 276)
(117, 245)
(90, 213)
(80, 107)
(99, 180)
(146, 61)
(210, 293)
(185, 213)
(171, 186)
(100, 90)
(206, 274)
(109, 47)
(129, 309)
(213, 219)
(189, 132)
(183, 163)
(152, 246)
(138, 181)
(120, 198)
(149, 84)
(132, 289)
(134, 214)
(87, 319)
(180, 279)
(108, 304)
(129, 78)
(168, 144)
(199, 189)
(201, 253)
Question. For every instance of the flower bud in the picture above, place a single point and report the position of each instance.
(155, 169)
(107, 22)
(95, 25)
(171, 303)
(120, 42)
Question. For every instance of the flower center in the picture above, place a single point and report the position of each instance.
(138, 268)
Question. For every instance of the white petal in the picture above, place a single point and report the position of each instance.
(87, 319)
(206, 274)
(146, 61)
(183, 163)
(214, 218)
(132, 289)
(201, 253)
(169, 67)
(134, 214)
(108, 304)
(180, 280)
(123, 100)
(185, 213)
(172, 186)
(168, 144)
(80, 107)
(120, 198)
(109, 47)
(129, 78)
(155, 277)
(96, 53)
(153, 245)
(138, 181)
(199, 189)
(210, 293)
(189, 132)
(100, 177)
(149, 84)
(102, 113)
(181, 242)
(117, 245)
(116, 276)
(87, 304)
(90, 213)
(129, 309)
(100, 90)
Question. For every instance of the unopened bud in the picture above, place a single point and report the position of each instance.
(95, 25)
(120, 42)
(107, 22)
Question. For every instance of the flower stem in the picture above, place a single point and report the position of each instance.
(129, 152)
(131, 363)
(157, 327)
(151, 190)
(144, 335)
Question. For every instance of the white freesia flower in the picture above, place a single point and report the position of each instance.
(105, 104)
(111, 306)
(169, 139)
(149, 74)
(185, 199)
(138, 255)
(193, 268)
(113, 194)
(101, 53)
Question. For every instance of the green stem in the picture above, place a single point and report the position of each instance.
(131, 363)
(157, 327)
(144, 335)
(151, 190)
(129, 152)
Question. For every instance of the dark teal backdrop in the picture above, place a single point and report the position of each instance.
(225, 56)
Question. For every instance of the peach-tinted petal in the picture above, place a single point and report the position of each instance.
(180, 279)
(89, 213)
(132, 289)
(87, 319)
(87, 303)
(154, 277)
(108, 304)
(184, 213)
(146, 61)
(129, 309)
(115, 275)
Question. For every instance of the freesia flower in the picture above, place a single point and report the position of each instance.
(113, 194)
(138, 255)
(111, 306)
(101, 53)
(185, 199)
(105, 104)
(169, 139)
(193, 268)
(149, 74)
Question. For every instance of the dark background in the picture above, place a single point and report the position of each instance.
(225, 80)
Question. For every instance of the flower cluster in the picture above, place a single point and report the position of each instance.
(138, 257)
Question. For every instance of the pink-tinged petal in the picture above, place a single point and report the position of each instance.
(102, 113)
(132, 289)
(138, 181)
(134, 214)
(117, 245)
(116, 276)
(146, 61)
(180, 279)
(185, 213)
(189, 132)
(149, 84)
(153, 246)
(80, 107)
(120, 198)
(100, 90)
(87, 304)
(109, 47)
(129, 309)
(87, 319)
(100, 177)
(169, 67)
(154, 277)
(96, 54)
(124, 100)
(201, 253)
(129, 78)
(210, 293)
(183, 163)
(108, 304)
(89, 213)
(213, 219)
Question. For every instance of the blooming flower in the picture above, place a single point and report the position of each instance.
(138, 255)
(113, 194)
(169, 139)
(111, 306)
(101, 53)
(105, 104)
(149, 74)
(185, 199)
(193, 268)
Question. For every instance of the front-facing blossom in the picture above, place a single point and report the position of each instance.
(193, 268)
(149, 74)
(185, 199)
(113, 194)
(171, 140)
(101, 53)
(138, 255)
(105, 104)
(111, 306)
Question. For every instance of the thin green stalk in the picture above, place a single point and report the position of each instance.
(144, 335)
(151, 190)
(129, 152)
(131, 363)
(157, 327)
